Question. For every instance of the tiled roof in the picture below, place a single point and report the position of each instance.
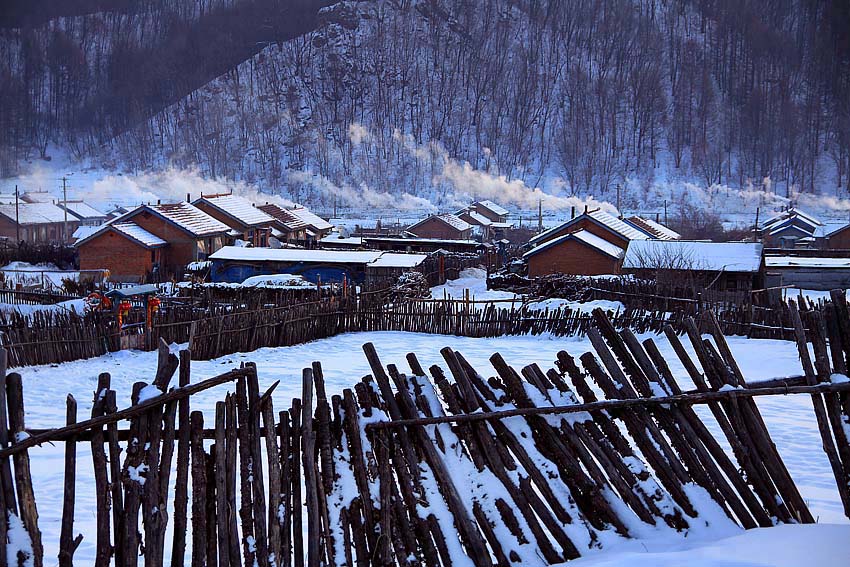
(34, 213)
(612, 223)
(653, 228)
(190, 218)
(238, 208)
(283, 216)
(453, 221)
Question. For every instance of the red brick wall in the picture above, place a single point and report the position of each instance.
(433, 228)
(120, 255)
(181, 246)
(571, 257)
(839, 240)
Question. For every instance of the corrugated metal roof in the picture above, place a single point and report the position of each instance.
(693, 255)
(238, 208)
(34, 213)
(190, 218)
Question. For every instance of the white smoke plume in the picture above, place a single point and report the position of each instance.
(362, 196)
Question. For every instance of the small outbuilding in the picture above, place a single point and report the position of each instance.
(807, 272)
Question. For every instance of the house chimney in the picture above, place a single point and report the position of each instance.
(188, 197)
(585, 209)
(158, 202)
(573, 212)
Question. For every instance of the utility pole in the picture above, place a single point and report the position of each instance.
(17, 219)
(539, 215)
(665, 212)
(618, 200)
(65, 208)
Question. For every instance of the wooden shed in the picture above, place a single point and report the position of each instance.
(807, 272)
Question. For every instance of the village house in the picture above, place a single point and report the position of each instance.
(580, 253)
(688, 264)
(598, 222)
(445, 226)
(83, 213)
(317, 227)
(289, 229)
(490, 219)
(246, 221)
(131, 246)
(36, 223)
(791, 228)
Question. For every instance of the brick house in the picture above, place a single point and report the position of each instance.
(598, 222)
(445, 226)
(127, 250)
(189, 233)
(240, 214)
(580, 253)
(36, 223)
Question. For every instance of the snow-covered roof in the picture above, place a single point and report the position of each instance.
(791, 213)
(34, 213)
(134, 232)
(238, 208)
(37, 197)
(585, 237)
(453, 221)
(478, 218)
(82, 211)
(283, 216)
(336, 238)
(311, 219)
(296, 255)
(84, 231)
(829, 228)
(805, 262)
(417, 240)
(693, 255)
(493, 208)
(7, 198)
(397, 260)
(188, 217)
(612, 223)
(653, 228)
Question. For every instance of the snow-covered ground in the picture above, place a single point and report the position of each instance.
(790, 420)
(40, 275)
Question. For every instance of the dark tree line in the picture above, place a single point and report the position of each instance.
(720, 91)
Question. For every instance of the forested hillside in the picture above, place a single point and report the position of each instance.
(429, 97)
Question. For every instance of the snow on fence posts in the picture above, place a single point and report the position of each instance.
(528, 466)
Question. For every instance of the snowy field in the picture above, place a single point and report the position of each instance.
(791, 422)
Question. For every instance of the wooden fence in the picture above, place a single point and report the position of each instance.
(220, 329)
(426, 468)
